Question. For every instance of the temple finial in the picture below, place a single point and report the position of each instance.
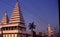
(6, 12)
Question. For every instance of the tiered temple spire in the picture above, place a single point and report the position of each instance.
(50, 32)
(16, 15)
(5, 19)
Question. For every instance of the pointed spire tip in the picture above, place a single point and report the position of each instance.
(6, 13)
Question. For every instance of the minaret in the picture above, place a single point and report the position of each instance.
(5, 19)
(16, 15)
(49, 30)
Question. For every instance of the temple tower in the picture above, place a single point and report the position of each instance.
(15, 27)
(5, 19)
(50, 32)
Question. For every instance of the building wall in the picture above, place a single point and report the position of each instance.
(9, 35)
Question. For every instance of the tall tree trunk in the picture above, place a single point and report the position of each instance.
(32, 32)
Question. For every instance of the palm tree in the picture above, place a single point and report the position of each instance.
(31, 27)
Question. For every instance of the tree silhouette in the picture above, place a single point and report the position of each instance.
(31, 27)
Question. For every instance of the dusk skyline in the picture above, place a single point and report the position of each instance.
(42, 12)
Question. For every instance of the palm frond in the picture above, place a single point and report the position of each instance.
(31, 25)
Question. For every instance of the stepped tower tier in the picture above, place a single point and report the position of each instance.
(16, 15)
(5, 19)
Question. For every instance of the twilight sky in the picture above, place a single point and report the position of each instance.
(42, 12)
